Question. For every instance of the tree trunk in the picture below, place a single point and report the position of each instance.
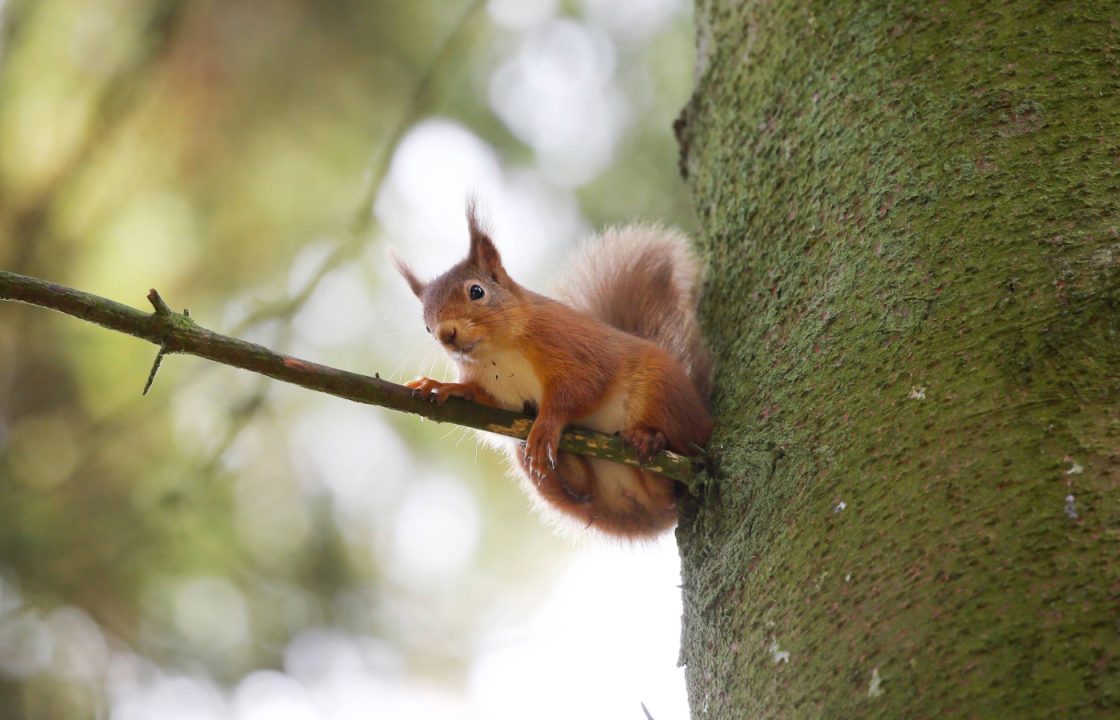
(911, 215)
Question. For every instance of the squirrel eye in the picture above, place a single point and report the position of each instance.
(477, 292)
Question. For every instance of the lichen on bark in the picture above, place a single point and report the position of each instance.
(912, 220)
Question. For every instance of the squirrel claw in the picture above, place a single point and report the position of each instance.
(536, 467)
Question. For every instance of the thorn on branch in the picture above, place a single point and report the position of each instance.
(155, 366)
(162, 310)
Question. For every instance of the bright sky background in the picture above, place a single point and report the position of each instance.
(603, 640)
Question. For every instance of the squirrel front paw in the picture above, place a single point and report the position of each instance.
(551, 473)
(437, 391)
(540, 452)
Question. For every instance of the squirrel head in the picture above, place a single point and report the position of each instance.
(471, 304)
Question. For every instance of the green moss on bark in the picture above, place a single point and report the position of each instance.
(912, 216)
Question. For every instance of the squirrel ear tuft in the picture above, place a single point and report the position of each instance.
(483, 253)
(414, 283)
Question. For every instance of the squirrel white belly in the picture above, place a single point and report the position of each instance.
(625, 355)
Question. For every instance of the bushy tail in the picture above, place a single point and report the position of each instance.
(644, 280)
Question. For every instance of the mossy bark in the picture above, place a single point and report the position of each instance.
(912, 218)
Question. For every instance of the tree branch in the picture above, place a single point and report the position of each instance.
(178, 333)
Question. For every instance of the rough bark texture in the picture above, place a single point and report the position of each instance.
(912, 213)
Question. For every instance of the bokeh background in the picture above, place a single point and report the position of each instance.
(229, 547)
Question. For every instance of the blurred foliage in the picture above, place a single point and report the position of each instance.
(228, 153)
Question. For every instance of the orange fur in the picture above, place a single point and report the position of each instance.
(631, 361)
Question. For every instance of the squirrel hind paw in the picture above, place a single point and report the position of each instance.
(647, 442)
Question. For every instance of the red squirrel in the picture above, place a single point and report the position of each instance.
(624, 355)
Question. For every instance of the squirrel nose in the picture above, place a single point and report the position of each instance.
(447, 334)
